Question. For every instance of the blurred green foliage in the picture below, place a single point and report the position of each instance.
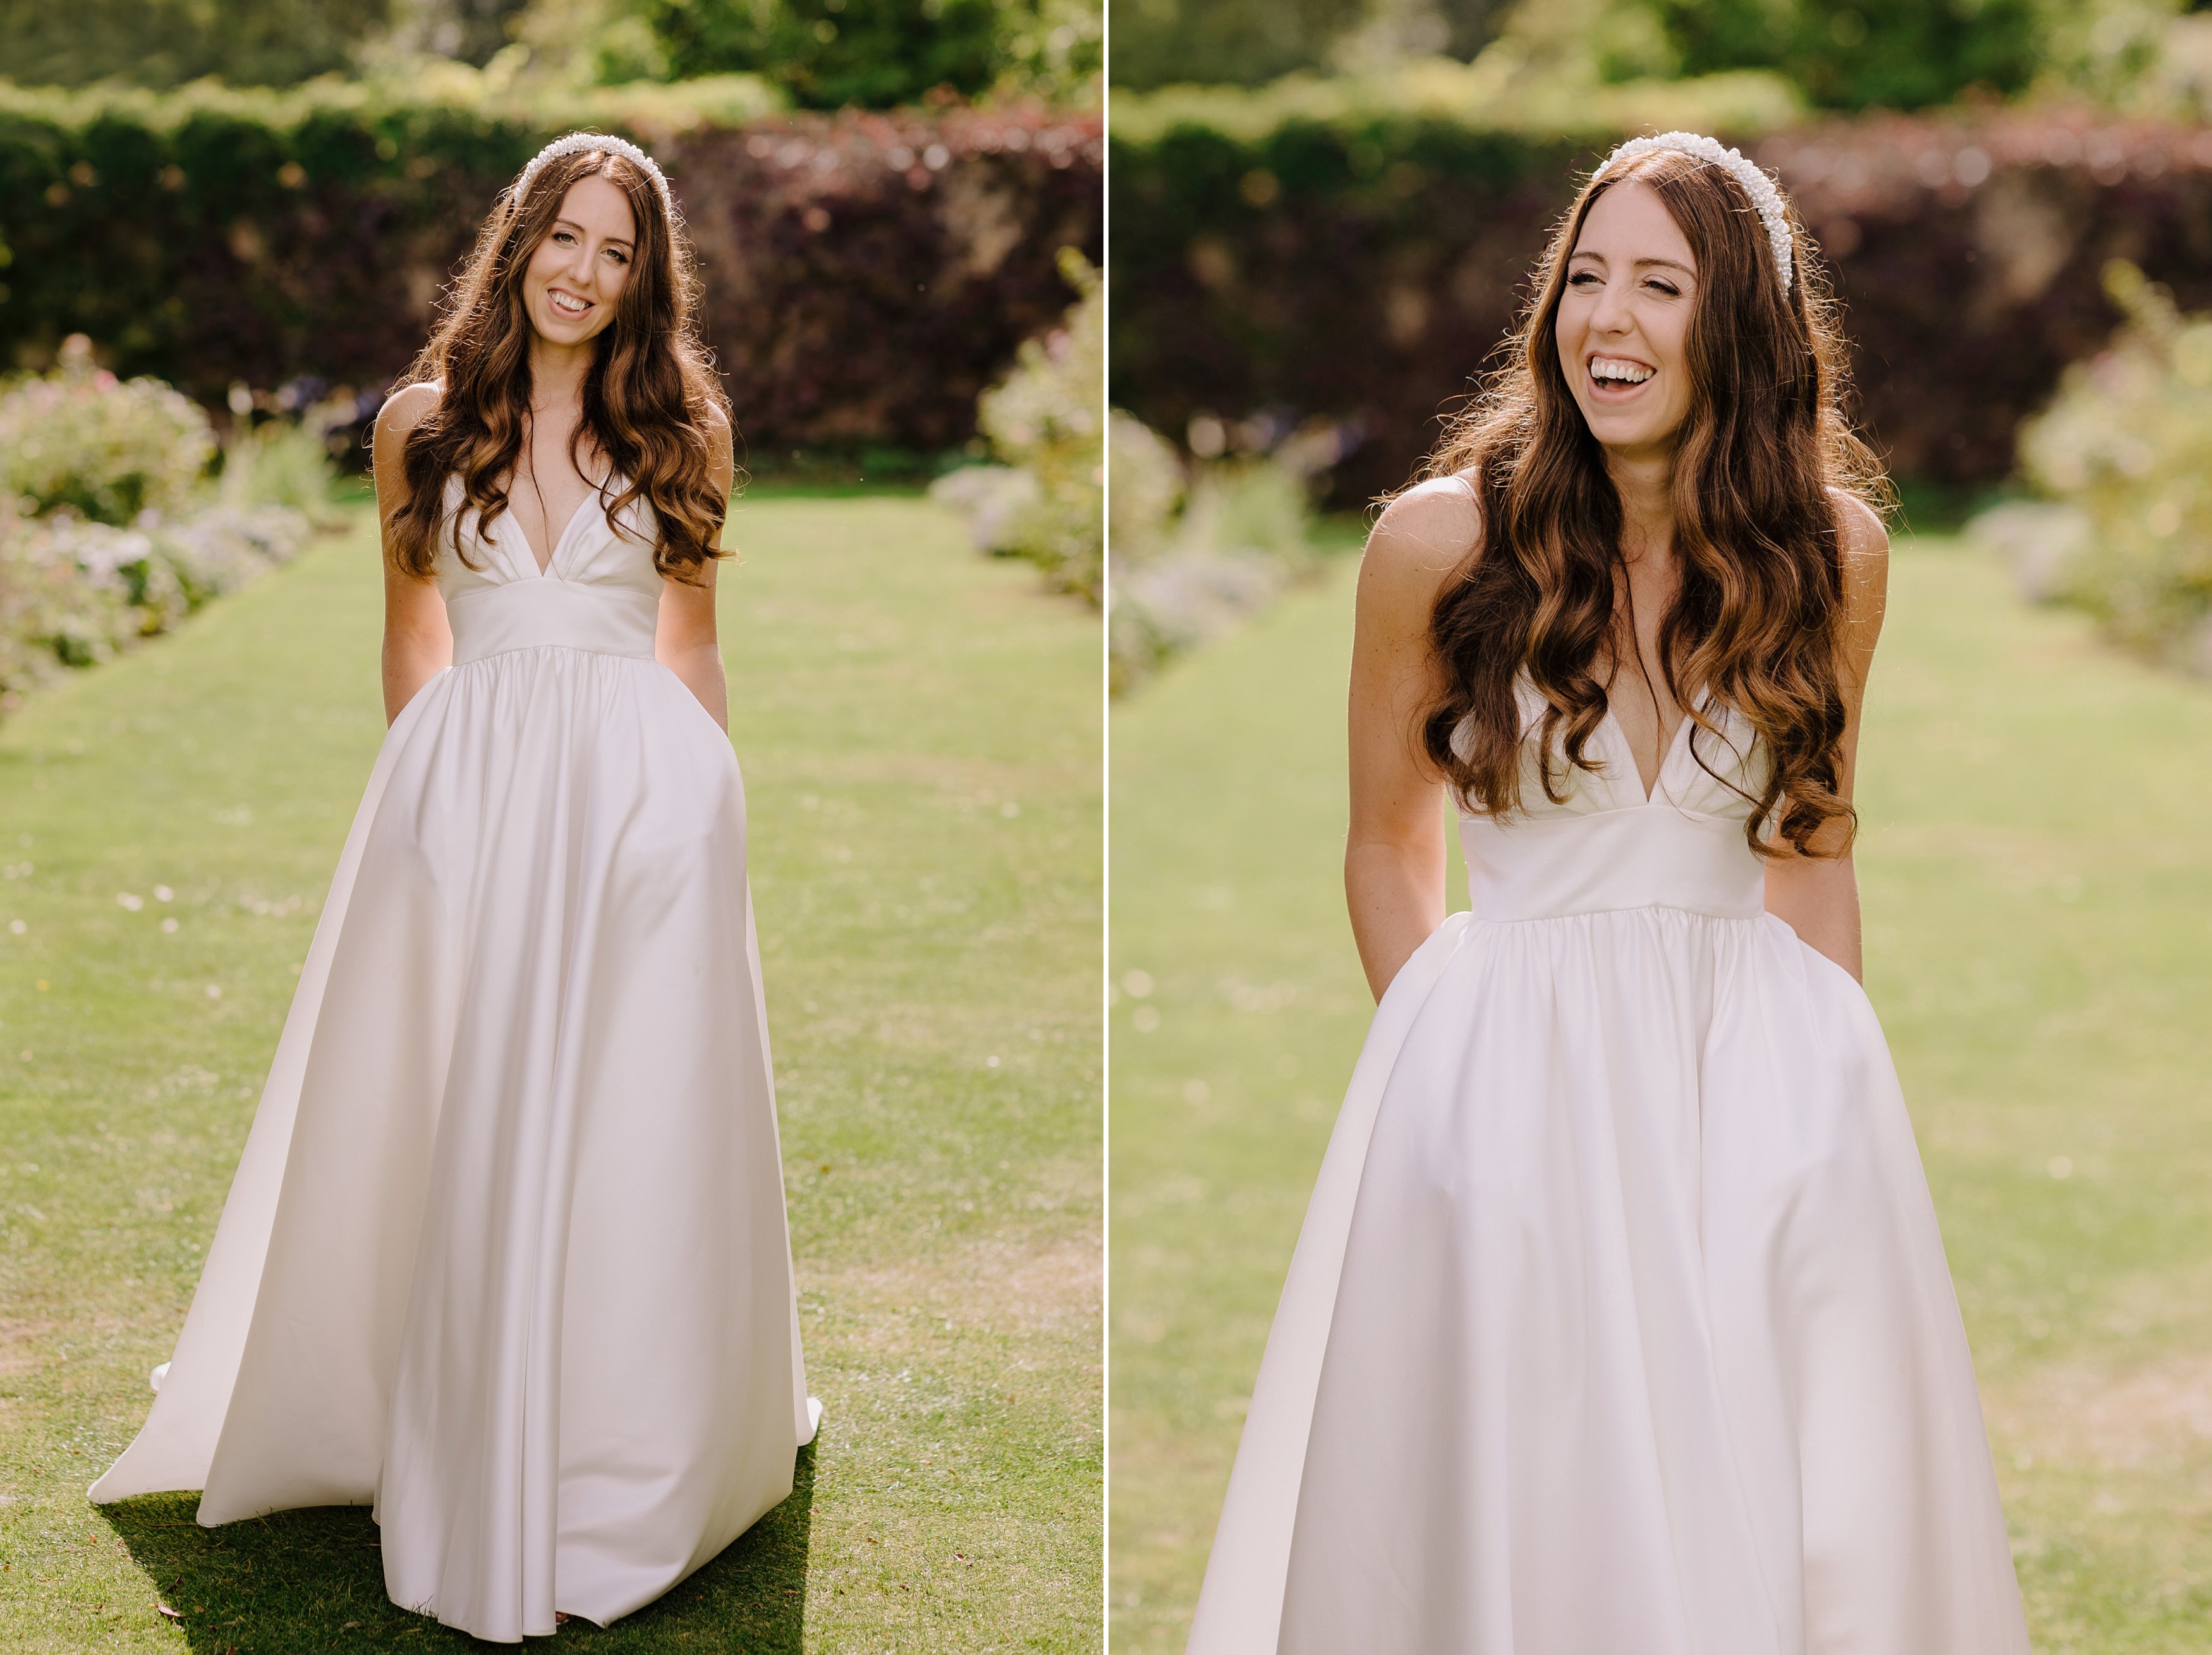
(2127, 443)
(871, 54)
(1045, 501)
(829, 53)
(1389, 112)
(822, 54)
(1224, 42)
(1859, 54)
(164, 43)
(1834, 54)
(1196, 551)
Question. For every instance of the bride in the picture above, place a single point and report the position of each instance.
(505, 1255)
(1620, 1321)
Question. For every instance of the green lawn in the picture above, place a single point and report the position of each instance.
(2037, 865)
(921, 735)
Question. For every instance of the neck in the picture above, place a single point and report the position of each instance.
(1644, 482)
(558, 370)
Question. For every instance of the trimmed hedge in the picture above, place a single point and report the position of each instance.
(867, 275)
(1361, 269)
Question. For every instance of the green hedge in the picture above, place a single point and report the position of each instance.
(1355, 266)
(867, 275)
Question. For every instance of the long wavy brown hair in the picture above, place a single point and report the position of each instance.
(1764, 451)
(645, 399)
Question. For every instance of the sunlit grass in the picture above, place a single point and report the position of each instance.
(2037, 866)
(920, 732)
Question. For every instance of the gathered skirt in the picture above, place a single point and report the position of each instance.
(506, 1255)
(1619, 1322)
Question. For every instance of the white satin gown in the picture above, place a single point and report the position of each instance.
(1620, 1324)
(506, 1255)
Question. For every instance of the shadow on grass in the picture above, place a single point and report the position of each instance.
(300, 1582)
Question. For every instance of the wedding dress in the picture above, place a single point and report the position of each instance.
(506, 1255)
(1620, 1324)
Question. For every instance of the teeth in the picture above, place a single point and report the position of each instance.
(573, 307)
(1627, 372)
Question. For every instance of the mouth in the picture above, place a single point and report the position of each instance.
(1617, 379)
(566, 306)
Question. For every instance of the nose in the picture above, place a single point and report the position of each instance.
(1612, 312)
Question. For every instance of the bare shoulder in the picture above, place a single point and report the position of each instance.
(722, 456)
(1422, 535)
(1865, 539)
(1865, 559)
(405, 408)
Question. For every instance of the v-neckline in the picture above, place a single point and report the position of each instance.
(545, 569)
(1666, 757)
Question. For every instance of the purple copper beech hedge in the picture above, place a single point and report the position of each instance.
(1352, 276)
(867, 275)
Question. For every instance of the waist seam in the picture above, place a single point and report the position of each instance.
(547, 643)
(1625, 907)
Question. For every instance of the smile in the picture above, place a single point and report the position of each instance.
(565, 304)
(1618, 373)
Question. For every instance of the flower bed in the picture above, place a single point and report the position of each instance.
(109, 531)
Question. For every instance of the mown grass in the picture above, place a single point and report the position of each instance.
(920, 735)
(2037, 869)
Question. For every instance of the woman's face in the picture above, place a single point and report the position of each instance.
(579, 270)
(1623, 322)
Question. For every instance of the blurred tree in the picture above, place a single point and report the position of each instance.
(167, 42)
(1225, 42)
(469, 30)
(1392, 30)
(829, 53)
(1859, 54)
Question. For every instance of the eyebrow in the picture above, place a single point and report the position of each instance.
(612, 240)
(1641, 263)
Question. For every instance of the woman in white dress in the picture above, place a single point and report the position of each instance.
(506, 1255)
(1620, 1324)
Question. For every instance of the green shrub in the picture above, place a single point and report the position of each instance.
(1045, 501)
(283, 462)
(1191, 555)
(1224, 42)
(81, 440)
(2127, 443)
(162, 43)
(1054, 50)
(1499, 95)
(875, 54)
(1861, 54)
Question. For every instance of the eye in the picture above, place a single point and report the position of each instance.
(563, 236)
(618, 255)
(1585, 279)
(1660, 283)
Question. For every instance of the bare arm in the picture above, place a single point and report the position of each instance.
(418, 644)
(1394, 852)
(1819, 896)
(685, 642)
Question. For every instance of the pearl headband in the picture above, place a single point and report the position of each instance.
(1755, 182)
(577, 142)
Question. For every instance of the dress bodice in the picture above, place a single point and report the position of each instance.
(600, 591)
(1606, 845)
